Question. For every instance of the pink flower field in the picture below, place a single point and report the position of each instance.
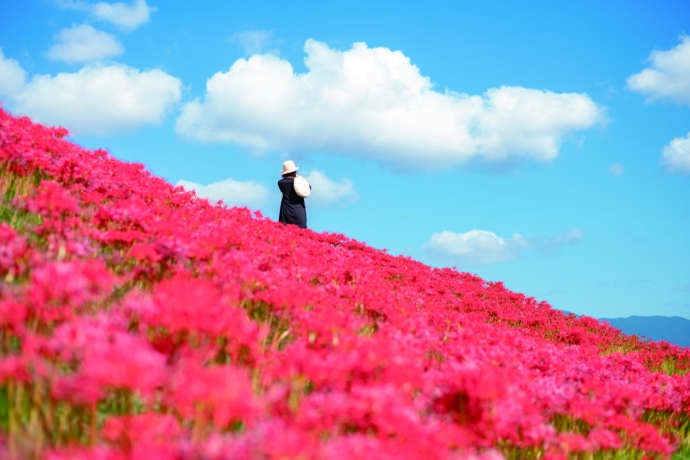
(142, 322)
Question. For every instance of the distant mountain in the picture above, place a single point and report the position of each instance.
(673, 329)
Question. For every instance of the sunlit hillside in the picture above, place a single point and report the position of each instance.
(139, 321)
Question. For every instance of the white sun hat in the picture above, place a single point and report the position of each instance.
(302, 187)
(288, 167)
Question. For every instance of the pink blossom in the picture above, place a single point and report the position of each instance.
(256, 340)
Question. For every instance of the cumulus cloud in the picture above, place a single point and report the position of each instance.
(253, 41)
(477, 247)
(668, 76)
(81, 43)
(98, 99)
(616, 169)
(12, 76)
(482, 247)
(375, 102)
(230, 191)
(326, 191)
(127, 16)
(676, 155)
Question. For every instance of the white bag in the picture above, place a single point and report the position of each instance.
(302, 187)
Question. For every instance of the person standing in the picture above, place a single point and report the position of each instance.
(294, 190)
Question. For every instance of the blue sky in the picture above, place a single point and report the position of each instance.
(545, 145)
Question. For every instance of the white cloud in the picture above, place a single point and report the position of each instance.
(12, 76)
(232, 192)
(616, 169)
(127, 16)
(374, 102)
(481, 247)
(326, 191)
(254, 41)
(676, 155)
(477, 247)
(82, 43)
(99, 99)
(668, 77)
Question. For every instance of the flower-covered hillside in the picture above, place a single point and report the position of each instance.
(139, 321)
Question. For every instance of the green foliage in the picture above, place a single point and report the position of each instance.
(683, 453)
(675, 424)
(13, 186)
(279, 334)
(566, 423)
(511, 452)
(4, 409)
(121, 402)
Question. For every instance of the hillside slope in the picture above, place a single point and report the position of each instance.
(140, 321)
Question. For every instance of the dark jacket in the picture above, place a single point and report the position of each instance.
(292, 210)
